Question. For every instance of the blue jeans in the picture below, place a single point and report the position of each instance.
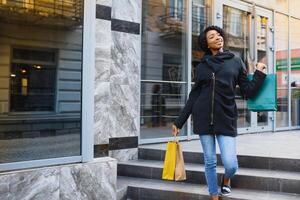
(227, 147)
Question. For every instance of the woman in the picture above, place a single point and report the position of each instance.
(212, 104)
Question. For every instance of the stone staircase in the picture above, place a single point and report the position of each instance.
(258, 178)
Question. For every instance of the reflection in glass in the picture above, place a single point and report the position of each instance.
(295, 72)
(40, 78)
(262, 56)
(161, 105)
(176, 9)
(200, 20)
(236, 24)
(164, 66)
(281, 38)
(32, 85)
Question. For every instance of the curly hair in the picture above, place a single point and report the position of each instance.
(202, 38)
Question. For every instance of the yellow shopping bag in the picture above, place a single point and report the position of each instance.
(170, 161)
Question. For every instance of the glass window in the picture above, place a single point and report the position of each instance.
(281, 40)
(199, 19)
(238, 43)
(40, 79)
(294, 6)
(176, 9)
(236, 17)
(164, 66)
(262, 56)
(32, 85)
(280, 5)
(295, 71)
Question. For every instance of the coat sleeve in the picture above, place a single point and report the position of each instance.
(187, 110)
(249, 88)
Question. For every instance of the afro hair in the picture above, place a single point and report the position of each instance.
(202, 38)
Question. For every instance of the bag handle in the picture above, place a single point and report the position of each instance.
(175, 138)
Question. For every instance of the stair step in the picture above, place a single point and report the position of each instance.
(257, 162)
(150, 189)
(258, 179)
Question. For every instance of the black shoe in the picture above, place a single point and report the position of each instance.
(225, 189)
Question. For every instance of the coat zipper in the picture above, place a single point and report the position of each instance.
(212, 99)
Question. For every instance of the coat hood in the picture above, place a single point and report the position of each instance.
(216, 61)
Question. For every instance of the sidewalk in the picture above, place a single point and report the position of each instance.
(284, 144)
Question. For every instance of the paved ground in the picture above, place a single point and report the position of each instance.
(284, 144)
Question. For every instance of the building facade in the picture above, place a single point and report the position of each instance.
(83, 83)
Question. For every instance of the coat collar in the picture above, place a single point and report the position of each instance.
(216, 62)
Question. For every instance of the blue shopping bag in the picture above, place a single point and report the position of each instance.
(266, 98)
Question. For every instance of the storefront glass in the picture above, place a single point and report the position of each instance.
(236, 25)
(294, 6)
(40, 79)
(279, 5)
(249, 31)
(164, 66)
(165, 61)
(295, 71)
(262, 45)
(281, 55)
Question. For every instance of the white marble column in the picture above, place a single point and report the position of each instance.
(117, 83)
(125, 76)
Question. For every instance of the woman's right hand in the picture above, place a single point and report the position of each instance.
(175, 130)
(261, 67)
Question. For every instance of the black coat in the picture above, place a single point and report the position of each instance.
(212, 99)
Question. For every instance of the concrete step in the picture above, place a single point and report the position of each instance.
(247, 178)
(121, 191)
(150, 189)
(247, 161)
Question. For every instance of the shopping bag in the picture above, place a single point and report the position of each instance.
(180, 174)
(170, 161)
(266, 98)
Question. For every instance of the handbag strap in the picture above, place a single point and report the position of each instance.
(175, 139)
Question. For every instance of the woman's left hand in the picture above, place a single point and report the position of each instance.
(261, 67)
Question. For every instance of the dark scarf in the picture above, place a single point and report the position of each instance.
(216, 62)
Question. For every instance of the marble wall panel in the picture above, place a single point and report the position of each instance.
(40, 184)
(102, 50)
(102, 85)
(88, 181)
(124, 154)
(101, 117)
(128, 10)
(125, 84)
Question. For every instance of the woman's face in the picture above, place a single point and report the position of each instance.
(214, 40)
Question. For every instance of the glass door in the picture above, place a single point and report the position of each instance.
(249, 32)
(164, 68)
